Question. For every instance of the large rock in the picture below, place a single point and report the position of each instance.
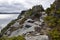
(40, 37)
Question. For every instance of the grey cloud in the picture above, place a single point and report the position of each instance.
(16, 6)
(11, 7)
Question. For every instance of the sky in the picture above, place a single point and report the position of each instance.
(17, 6)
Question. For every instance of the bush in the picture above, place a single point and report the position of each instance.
(54, 34)
(51, 21)
(12, 38)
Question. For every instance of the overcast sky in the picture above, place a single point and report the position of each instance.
(17, 6)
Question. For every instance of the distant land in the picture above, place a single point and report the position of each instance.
(10, 13)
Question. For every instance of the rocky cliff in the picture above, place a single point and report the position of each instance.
(36, 23)
(29, 22)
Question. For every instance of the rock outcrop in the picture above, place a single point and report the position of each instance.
(29, 21)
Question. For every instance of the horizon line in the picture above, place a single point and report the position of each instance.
(9, 13)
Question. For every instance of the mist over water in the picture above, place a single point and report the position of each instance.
(6, 18)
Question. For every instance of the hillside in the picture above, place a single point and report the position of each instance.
(53, 20)
(24, 15)
(36, 23)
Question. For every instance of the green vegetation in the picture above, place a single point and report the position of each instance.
(48, 10)
(53, 21)
(55, 34)
(37, 8)
(12, 38)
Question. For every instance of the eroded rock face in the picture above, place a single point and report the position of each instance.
(31, 21)
(40, 37)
